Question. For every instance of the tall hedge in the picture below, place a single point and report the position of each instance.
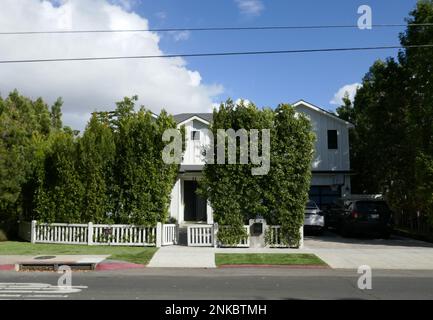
(25, 126)
(113, 173)
(97, 152)
(142, 179)
(236, 195)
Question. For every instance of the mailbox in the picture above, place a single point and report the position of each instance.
(257, 229)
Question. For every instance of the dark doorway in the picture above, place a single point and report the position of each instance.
(195, 206)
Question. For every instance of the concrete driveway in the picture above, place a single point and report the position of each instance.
(350, 253)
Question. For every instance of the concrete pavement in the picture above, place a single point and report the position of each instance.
(397, 253)
(183, 257)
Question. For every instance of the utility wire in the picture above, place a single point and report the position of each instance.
(215, 54)
(214, 29)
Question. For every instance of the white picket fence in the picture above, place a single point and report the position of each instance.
(169, 234)
(124, 235)
(200, 235)
(275, 237)
(61, 233)
(89, 234)
(244, 243)
(130, 235)
(206, 236)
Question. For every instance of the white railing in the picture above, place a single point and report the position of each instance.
(123, 235)
(200, 235)
(89, 234)
(169, 234)
(61, 233)
(244, 243)
(275, 237)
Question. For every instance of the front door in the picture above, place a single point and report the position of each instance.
(195, 206)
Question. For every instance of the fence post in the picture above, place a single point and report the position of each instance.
(301, 240)
(215, 235)
(90, 234)
(158, 235)
(33, 232)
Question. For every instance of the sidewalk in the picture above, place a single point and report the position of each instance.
(183, 257)
(196, 257)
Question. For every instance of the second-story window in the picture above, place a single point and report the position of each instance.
(332, 139)
(195, 135)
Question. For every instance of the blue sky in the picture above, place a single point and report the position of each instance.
(191, 84)
(269, 80)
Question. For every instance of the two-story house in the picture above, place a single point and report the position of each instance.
(330, 167)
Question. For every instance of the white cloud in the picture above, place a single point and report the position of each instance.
(127, 5)
(339, 95)
(180, 35)
(250, 7)
(94, 85)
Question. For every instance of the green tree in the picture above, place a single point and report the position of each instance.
(287, 185)
(391, 145)
(60, 194)
(96, 159)
(22, 123)
(279, 196)
(143, 182)
(418, 64)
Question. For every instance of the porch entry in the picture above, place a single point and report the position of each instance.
(195, 207)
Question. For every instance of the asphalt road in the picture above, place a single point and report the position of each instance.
(217, 284)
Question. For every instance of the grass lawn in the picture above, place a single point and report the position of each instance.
(141, 255)
(268, 259)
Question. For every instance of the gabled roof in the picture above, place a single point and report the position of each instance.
(322, 111)
(206, 118)
(184, 117)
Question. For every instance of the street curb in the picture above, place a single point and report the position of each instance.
(282, 266)
(7, 267)
(118, 266)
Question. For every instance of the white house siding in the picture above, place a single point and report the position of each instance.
(192, 156)
(325, 159)
(175, 201)
(193, 149)
(324, 181)
(330, 167)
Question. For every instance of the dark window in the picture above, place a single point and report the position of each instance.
(332, 139)
(195, 135)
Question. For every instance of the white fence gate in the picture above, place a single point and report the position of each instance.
(169, 234)
(200, 235)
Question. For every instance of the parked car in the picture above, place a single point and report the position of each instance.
(360, 217)
(314, 219)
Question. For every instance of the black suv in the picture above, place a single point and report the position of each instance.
(360, 217)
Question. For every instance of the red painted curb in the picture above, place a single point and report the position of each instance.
(7, 267)
(118, 266)
(281, 266)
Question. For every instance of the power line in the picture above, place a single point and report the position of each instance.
(215, 54)
(213, 29)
